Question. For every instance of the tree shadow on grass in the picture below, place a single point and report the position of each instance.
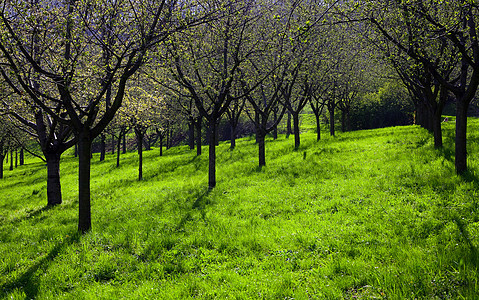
(33, 213)
(200, 205)
(472, 256)
(470, 176)
(28, 281)
(448, 154)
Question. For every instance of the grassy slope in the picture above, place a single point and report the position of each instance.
(367, 214)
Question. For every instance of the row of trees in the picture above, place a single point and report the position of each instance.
(434, 48)
(76, 70)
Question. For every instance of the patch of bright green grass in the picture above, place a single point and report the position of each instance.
(363, 215)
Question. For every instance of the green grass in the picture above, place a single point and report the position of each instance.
(377, 214)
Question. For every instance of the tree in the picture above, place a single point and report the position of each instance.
(6, 140)
(118, 128)
(180, 101)
(207, 61)
(53, 137)
(447, 28)
(234, 112)
(143, 108)
(77, 79)
(304, 52)
(428, 95)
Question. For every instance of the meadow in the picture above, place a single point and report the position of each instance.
(374, 214)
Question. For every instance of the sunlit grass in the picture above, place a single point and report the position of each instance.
(369, 214)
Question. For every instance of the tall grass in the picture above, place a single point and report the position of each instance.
(368, 214)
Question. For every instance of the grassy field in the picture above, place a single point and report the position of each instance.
(376, 214)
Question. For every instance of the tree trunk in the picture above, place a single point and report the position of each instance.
(437, 120)
(84, 159)
(348, 120)
(256, 126)
(102, 147)
(461, 136)
(275, 127)
(22, 157)
(191, 133)
(113, 144)
(139, 141)
(261, 149)
(76, 150)
(233, 136)
(16, 158)
(168, 138)
(146, 143)
(2, 158)
(288, 125)
(212, 154)
(54, 192)
(318, 127)
(421, 118)
(161, 144)
(430, 119)
(331, 121)
(198, 136)
(118, 146)
(217, 133)
(343, 121)
(11, 160)
(296, 130)
(124, 142)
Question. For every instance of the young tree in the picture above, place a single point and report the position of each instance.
(143, 108)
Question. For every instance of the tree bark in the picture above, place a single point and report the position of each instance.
(54, 192)
(75, 152)
(11, 160)
(2, 158)
(191, 133)
(261, 149)
(275, 121)
(161, 144)
(461, 136)
(288, 125)
(102, 147)
(430, 119)
(296, 130)
(168, 138)
(331, 121)
(198, 136)
(146, 143)
(118, 146)
(139, 141)
(217, 133)
(420, 115)
(113, 144)
(233, 136)
(212, 154)
(84, 159)
(124, 143)
(437, 120)
(256, 127)
(318, 127)
(22, 157)
(16, 158)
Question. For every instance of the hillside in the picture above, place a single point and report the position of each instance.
(368, 214)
